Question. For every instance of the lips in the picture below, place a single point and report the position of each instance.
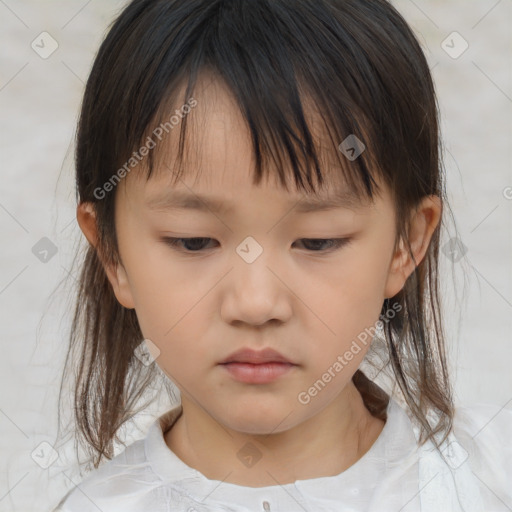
(247, 355)
(253, 367)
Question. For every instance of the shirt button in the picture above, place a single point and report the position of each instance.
(266, 506)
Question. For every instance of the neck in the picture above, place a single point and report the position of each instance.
(323, 445)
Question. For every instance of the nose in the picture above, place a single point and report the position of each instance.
(256, 292)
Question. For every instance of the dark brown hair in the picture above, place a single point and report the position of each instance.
(360, 65)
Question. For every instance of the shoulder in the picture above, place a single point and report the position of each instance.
(485, 433)
(131, 481)
(124, 483)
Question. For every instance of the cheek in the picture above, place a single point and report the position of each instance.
(166, 297)
(177, 323)
(347, 293)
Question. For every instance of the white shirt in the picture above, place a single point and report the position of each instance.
(394, 475)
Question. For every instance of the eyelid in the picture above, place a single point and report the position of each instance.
(338, 243)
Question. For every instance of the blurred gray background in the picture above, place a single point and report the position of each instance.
(45, 56)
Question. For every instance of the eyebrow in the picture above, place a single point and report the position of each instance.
(179, 200)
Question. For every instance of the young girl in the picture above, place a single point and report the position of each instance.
(261, 285)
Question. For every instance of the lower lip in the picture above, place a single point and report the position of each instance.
(257, 373)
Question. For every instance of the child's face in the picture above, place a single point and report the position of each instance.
(309, 301)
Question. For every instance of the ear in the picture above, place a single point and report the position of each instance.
(424, 221)
(86, 217)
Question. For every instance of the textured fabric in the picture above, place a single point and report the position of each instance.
(475, 475)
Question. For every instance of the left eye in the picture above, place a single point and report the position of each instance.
(333, 243)
(197, 244)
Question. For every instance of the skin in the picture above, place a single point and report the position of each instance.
(199, 308)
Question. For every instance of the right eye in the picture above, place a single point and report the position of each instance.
(191, 245)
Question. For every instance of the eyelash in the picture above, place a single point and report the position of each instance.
(337, 243)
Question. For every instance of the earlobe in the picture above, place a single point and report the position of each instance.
(86, 217)
(424, 221)
(119, 281)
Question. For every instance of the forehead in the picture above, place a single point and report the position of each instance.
(218, 161)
